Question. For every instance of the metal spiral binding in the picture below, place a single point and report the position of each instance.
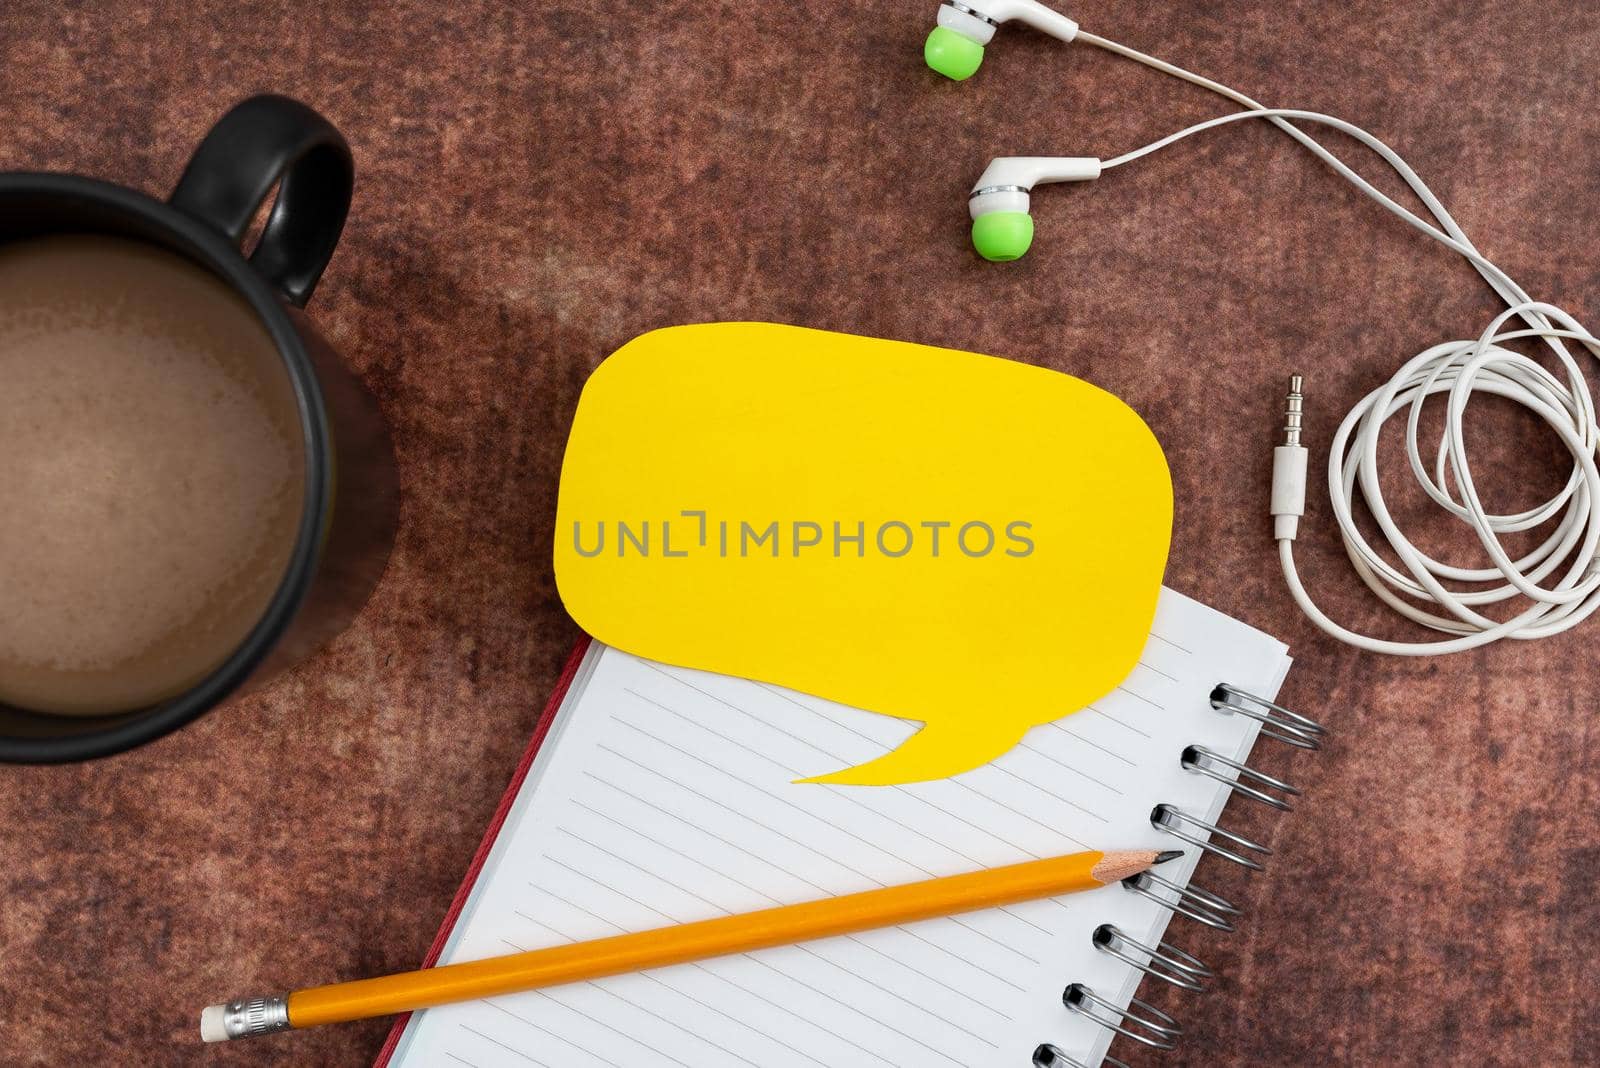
(1244, 780)
(1048, 1056)
(1165, 962)
(1177, 822)
(1142, 1022)
(1154, 1029)
(1199, 905)
(1276, 721)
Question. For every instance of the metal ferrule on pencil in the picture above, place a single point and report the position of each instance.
(247, 1018)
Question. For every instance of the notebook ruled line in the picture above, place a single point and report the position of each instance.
(959, 781)
(676, 851)
(719, 910)
(758, 823)
(1152, 668)
(745, 817)
(493, 1004)
(855, 1011)
(840, 759)
(595, 882)
(1056, 725)
(788, 770)
(677, 1025)
(629, 1035)
(1008, 910)
(1139, 697)
(1080, 843)
(705, 970)
(963, 994)
(495, 1042)
(764, 827)
(735, 1020)
(1119, 722)
(827, 720)
(753, 957)
(731, 845)
(1168, 641)
(906, 790)
(1052, 796)
(993, 975)
(876, 847)
(1036, 751)
(657, 876)
(845, 792)
(856, 801)
(923, 1009)
(771, 901)
(846, 760)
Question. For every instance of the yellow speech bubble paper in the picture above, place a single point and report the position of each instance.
(935, 535)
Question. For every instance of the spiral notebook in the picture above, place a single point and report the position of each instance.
(655, 795)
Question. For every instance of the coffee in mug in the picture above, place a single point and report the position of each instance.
(152, 473)
(197, 491)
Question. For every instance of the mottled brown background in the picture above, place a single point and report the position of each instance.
(541, 181)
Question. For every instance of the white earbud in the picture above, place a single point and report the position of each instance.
(955, 47)
(1002, 229)
(1547, 590)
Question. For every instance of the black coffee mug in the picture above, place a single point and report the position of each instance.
(351, 490)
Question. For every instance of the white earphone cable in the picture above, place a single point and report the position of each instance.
(1458, 369)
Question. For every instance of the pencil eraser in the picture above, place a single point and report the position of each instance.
(212, 1028)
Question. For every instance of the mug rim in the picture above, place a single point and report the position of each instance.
(212, 249)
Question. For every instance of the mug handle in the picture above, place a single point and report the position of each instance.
(263, 140)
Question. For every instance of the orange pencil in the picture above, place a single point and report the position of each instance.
(785, 925)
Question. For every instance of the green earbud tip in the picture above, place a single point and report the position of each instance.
(954, 56)
(1002, 236)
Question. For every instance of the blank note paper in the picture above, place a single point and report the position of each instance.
(663, 795)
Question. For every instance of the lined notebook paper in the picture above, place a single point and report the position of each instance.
(663, 795)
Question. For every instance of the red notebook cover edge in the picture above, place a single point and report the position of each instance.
(540, 730)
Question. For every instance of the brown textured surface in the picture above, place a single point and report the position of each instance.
(539, 182)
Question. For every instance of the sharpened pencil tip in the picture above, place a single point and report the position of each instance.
(1168, 854)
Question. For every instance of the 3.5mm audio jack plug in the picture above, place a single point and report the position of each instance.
(1289, 468)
